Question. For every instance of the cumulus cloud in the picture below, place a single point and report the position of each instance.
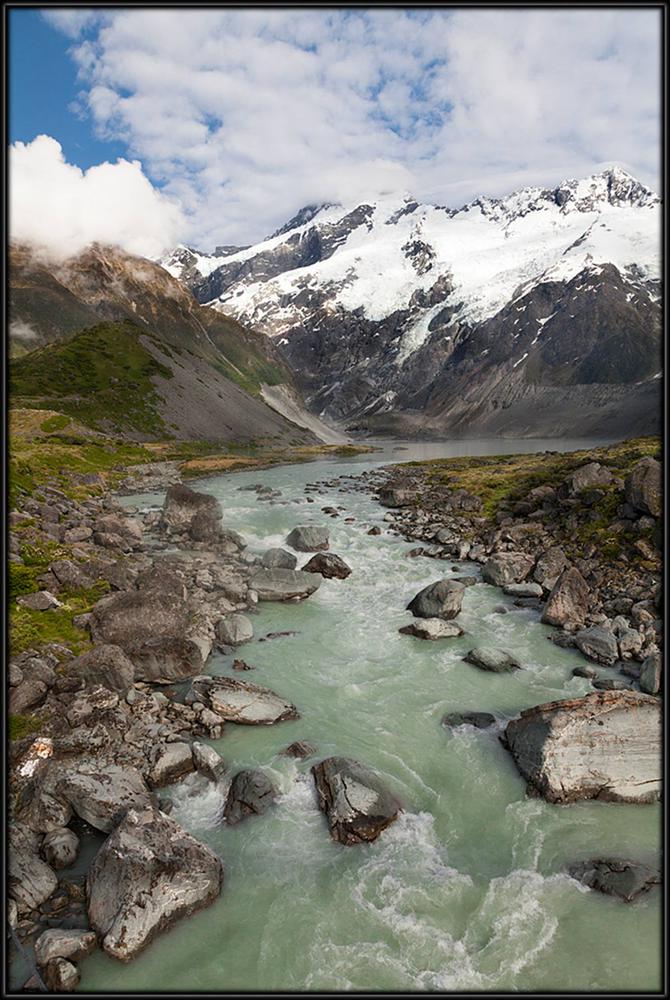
(62, 209)
(243, 116)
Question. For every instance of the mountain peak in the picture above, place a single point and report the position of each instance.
(301, 218)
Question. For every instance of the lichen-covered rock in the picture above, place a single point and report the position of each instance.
(644, 487)
(442, 599)
(241, 702)
(568, 600)
(308, 538)
(147, 875)
(355, 801)
(507, 567)
(328, 565)
(284, 584)
(606, 745)
(251, 793)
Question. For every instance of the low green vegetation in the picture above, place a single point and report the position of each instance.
(21, 726)
(31, 629)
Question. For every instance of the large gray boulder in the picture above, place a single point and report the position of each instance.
(308, 538)
(233, 630)
(251, 793)
(182, 504)
(627, 880)
(207, 761)
(442, 599)
(507, 567)
(496, 661)
(284, 584)
(586, 477)
(478, 720)
(243, 703)
(396, 496)
(549, 566)
(599, 644)
(650, 673)
(432, 629)
(328, 565)
(147, 875)
(106, 665)
(355, 801)
(568, 601)
(64, 943)
(171, 763)
(279, 559)
(605, 746)
(644, 486)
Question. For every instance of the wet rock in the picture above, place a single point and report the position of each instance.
(172, 762)
(60, 848)
(299, 749)
(355, 801)
(568, 600)
(30, 880)
(61, 976)
(106, 665)
(507, 567)
(42, 600)
(207, 761)
(147, 875)
(598, 644)
(284, 584)
(279, 559)
(244, 703)
(480, 720)
(432, 628)
(308, 538)
(610, 684)
(69, 574)
(523, 589)
(64, 943)
(606, 746)
(251, 794)
(650, 673)
(442, 599)
(375, 530)
(328, 565)
(233, 630)
(497, 661)
(625, 879)
(586, 672)
(643, 487)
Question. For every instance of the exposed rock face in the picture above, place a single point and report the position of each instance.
(284, 584)
(598, 644)
(234, 630)
(568, 600)
(356, 803)
(442, 599)
(251, 793)
(497, 661)
(63, 943)
(603, 746)
(507, 567)
(279, 559)
(625, 879)
(480, 720)
(147, 875)
(106, 665)
(644, 487)
(328, 565)
(432, 628)
(246, 704)
(308, 538)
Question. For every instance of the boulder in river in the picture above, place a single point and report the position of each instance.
(606, 745)
(599, 644)
(182, 504)
(355, 801)
(279, 559)
(61, 976)
(284, 584)
(147, 875)
(328, 565)
(60, 847)
(308, 538)
(172, 762)
(61, 942)
(507, 567)
(442, 599)
(207, 761)
(251, 793)
(234, 629)
(568, 601)
(528, 589)
(432, 628)
(480, 720)
(497, 661)
(625, 879)
(299, 749)
(242, 702)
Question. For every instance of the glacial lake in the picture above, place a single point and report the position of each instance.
(467, 891)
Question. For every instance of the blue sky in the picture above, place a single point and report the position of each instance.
(228, 121)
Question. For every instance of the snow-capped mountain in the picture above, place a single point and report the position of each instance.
(396, 314)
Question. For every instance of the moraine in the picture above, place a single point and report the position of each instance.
(468, 889)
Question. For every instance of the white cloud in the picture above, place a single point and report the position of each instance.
(245, 115)
(62, 209)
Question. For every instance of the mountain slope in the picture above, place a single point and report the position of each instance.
(396, 315)
(207, 371)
